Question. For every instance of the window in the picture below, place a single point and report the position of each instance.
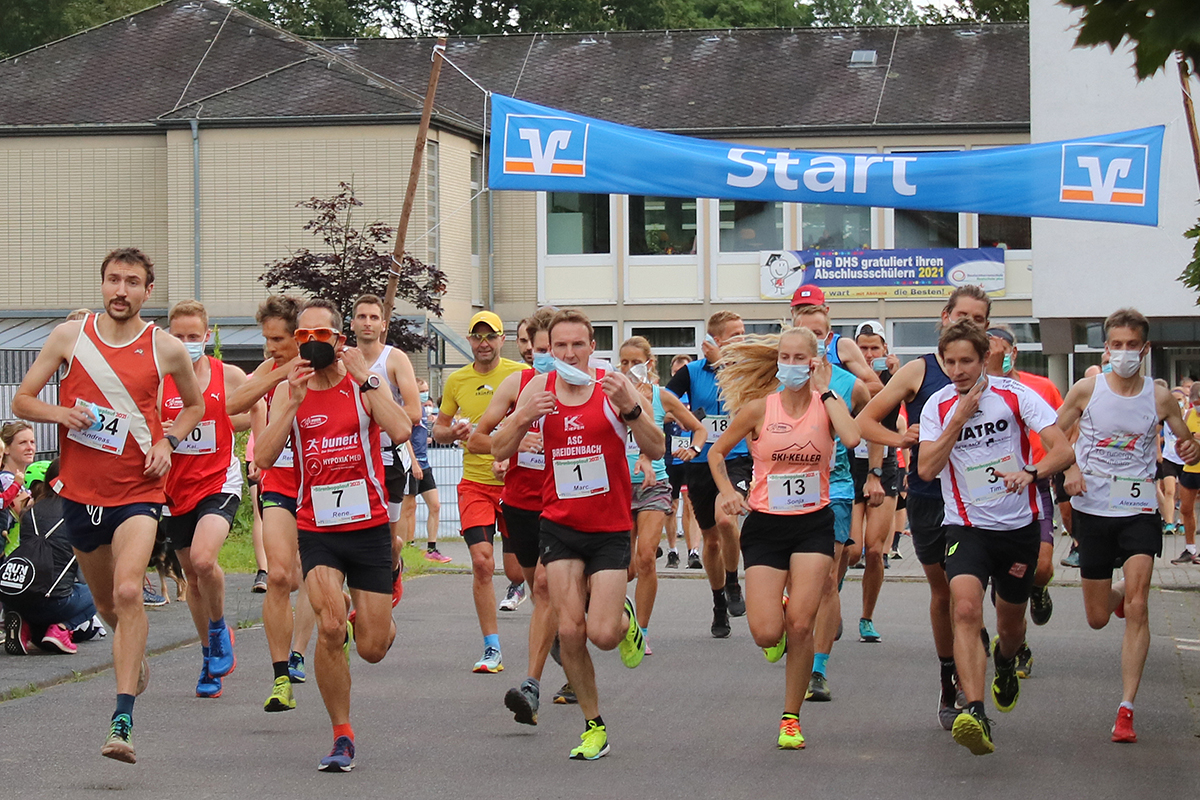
(1011, 233)
(825, 227)
(661, 226)
(750, 226)
(577, 224)
(432, 200)
(916, 335)
(925, 229)
(666, 343)
(604, 342)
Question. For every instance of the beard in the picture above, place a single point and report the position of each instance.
(121, 314)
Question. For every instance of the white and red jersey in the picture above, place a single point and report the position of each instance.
(336, 444)
(204, 464)
(105, 465)
(526, 476)
(283, 477)
(996, 439)
(586, 485)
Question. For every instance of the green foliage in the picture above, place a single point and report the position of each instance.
(864, 12)
(325, 18)
(977, 11)
(1191, 274)
(1157, 28)
(26, 24)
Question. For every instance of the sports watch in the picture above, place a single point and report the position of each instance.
(372, 382)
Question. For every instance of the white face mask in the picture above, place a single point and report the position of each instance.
(1125, 363)
(195, 350)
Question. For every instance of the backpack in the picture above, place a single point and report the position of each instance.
(35, 568)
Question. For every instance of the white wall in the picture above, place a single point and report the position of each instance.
(1089, 269)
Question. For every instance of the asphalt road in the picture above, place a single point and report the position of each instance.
(697, 719)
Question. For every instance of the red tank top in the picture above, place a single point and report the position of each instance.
(282, 478)
(587, 485)
(526, 477)
(341, 482)
(204, 462)
(792, 458)
(106, 467)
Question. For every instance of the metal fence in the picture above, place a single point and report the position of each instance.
(13, 366)
(446, 463)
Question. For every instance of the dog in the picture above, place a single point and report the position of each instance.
(164, 561)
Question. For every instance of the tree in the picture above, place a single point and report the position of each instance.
(327, 18)
(353, 265)
(977, 11)
(864, 12)
(26, 24)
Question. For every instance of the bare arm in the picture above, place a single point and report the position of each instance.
(533, 402)
(900, 389)
(259, 385)
(382, 407)
(1069, 414)
(235, 379)
(841, 424)
(936, 454)
(502, 402)
(854, 360)
(1186, 447)
(625, 398)
(746, 422)
(400, 370)
(284, 404)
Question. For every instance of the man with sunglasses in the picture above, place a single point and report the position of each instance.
(465, 398)
(333, 415)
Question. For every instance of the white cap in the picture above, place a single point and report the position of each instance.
(871, 327)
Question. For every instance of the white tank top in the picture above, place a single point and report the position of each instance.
(385, 441)
(1118, 439)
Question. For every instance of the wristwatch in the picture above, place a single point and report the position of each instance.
(372, 382)
(173, 441)
(696, 449)
(634, 414)
(877, 471)
(1032, 470)
(828, 395)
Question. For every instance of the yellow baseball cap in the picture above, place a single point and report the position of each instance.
(487, 318)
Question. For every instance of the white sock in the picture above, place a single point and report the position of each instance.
(1191, 548)
(673, 550)
(1126, 704)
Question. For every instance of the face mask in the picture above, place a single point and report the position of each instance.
(572, 375)
(1125, 362)
(820, 349)
(792, 376)
(424, 397)
(639, 373)
(543, 363)
(1006, 364)
(1107, 368)
(195, 350)
(710, 340)
(319, 354)
(879, 364)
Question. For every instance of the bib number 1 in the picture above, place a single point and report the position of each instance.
(580, 477)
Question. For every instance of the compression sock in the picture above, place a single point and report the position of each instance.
(124, 706)
(719, 603)
(431, 546)
(820, 662)
(216, 625)
(731, 578)
(280, 668)
(977, 709)
(949, 692)
(492, 640)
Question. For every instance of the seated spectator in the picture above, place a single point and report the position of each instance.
(20, 449)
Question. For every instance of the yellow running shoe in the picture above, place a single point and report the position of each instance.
(790, 737)
(633, 647)
(974, 733)
(281, 698)
(349, 638)
(594, 743)
(776, 651)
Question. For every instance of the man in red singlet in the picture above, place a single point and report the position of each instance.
(204, 488)
(115, 456)
(587, 495)
(331, 410)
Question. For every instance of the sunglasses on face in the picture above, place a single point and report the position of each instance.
(315, 335)
(484, 337)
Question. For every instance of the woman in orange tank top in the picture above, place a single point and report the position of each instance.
(787, 539)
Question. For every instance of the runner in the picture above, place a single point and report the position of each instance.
(204, 489)
(975, 437)
(788, 537)
(465, 397)
(837, 349)
(1115, 514)
(585, 525)
(912, 385)
(393, 365)
(113, 446)
(718, 530)
(1172, 467)
(421, 483)
(287, 636)
(676, 476)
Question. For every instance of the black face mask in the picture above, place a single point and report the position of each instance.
(319, 354)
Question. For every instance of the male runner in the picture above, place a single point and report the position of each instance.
(333, 414)
(421, 483)
(394, 367)
(1115, 519)
(464, 399)
(975, 434)
(718, 531)
(587, 495)
(913, 385)
(204, 489)
(113, 448)
(837, 349)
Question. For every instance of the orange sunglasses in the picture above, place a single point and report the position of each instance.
(304, 335)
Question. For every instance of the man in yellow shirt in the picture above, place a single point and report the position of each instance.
(464, 399)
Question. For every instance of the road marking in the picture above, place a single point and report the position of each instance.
(1189, 641)
(1188, 647)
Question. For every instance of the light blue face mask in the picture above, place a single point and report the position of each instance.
(1107, 368)
(879, 364)
(424, 397)
(820, 349)
(543, 363)
(195, 350)
(1006, 365)
(792, 376)
(572, 375)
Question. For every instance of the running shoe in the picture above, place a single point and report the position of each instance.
(649, 652)
(435, 556)
(523, 702)
(1041, 607)
(260, 582)
(777, 650)
(1006, 686)
(867, 632)
(296, 667)
(974, 732)
(221, 660)
(720, 624)
(565, 695)
(1024, 661)
(340, 758)
(490, 663)
(17, 638)
(1122, 731)
(349, 637)
(672, 559)
(143, 677)
(947, 713)
(58, 638)
(1186, 557)
(1071, 559)
(397, 587)
(593, 744)
(1178, 528)
(119, 745)
(152, 598)
(790, 737)
(513, 597)
(208, 685)
(734, 600)
(895, 555)
(818, 689)
(633, 647)
(694, 560)
(281, 698)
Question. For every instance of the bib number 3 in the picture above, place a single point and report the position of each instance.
(983, 484)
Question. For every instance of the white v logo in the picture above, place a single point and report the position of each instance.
(543, 157)
(1102, 189)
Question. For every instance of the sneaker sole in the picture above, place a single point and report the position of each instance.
(275, 704)
(946, 717)
(59, 647)
(484, 670)
(1123, 740)
(119, 751)
(969, 733)
(870, 639)
(205, 694)
(581, 757)
(791, 745)
(563, 700)
(514, 701)
(335, 767)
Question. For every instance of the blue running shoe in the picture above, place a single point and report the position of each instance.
(209, 685)
(296, 667)
(220, 651)
(341, 758)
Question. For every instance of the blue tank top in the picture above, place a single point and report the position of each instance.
(934, 380)
(704, 394)
(831, 352)
(631, 449)
(841, 483)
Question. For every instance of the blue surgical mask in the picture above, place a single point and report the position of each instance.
(820, 349)
(543, 363)
(572, 375)
(195, 350)
(879, 364)
(424, 397)
(710, 340)
(792, 376)
(1107, 368)
(1006, 365)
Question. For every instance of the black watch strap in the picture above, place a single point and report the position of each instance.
(827, 395)
(173, 441)
(634, 414)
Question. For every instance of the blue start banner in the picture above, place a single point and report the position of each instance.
(1110, 178)
(905, 274)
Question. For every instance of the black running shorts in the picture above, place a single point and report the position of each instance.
(1008, 558)
(363, 556)
(1106, 542)
(597, 551)
(770, 540)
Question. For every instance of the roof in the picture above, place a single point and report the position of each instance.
(206, 59)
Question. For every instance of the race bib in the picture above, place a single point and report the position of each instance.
(682, 440)
(532, 460)
(861, 450)
(580, 477)
(631, 445)
(716, 426)
(340, 503)
(201, 441)
(1134, 495)
(793, 492)
(983, 484)
(108, 432)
